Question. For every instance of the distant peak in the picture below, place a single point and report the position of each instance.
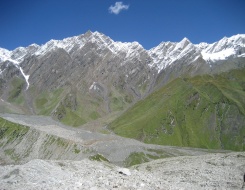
(183, 43)
(33, 45)
(4, 50)
(185, 40)
(97, 33)
(238, 38)
(88, 33)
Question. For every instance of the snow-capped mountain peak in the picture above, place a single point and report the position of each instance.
(225, 48)
(4, 54)
(225, 43)
(166, 53)
(102, 42)
(182, 44)
(70, 45)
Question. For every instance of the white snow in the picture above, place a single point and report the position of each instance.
(221, 55)
(130, 48)
(242, 55)
(26, 77)
(161, 55)
(6, 55)
(202, 45)
(15, 56)
(223, 49)
(182, 44)
(168, 52)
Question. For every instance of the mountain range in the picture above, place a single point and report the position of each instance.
(176, 93)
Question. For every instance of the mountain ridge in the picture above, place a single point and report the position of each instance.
(86, 77)
(160, 57)
(66, 44)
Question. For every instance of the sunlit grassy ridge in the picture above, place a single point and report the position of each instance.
(203, 111)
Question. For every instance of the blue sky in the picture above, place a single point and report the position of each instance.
(147, 21)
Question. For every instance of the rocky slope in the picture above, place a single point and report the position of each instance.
(213, 171)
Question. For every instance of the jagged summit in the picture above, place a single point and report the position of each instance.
(169, 50)
(68, 44)
(167, 53)
(183, 43)
(225, 48)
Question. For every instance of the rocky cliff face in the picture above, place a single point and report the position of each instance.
(88, 76)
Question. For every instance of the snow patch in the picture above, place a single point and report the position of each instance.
(221, 55)
(242, 55)
(4, 54)
(26, 77)
(93, 86)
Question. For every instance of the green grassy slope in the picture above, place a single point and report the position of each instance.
(75, 107)
(11, 131)
(203, 111)
(70, 108)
